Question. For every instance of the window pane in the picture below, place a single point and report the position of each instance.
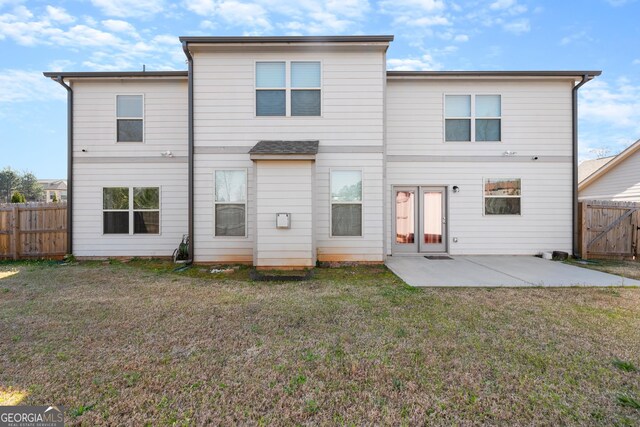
(270, 74)
(502, 187)
(305, 74)
(346, 186)
(458, 106)
(346, 220)
(231, 186)
(488, 106)
(146, 198)
(488, 130)
(116, 222)
(147, 222)
(129, 105)
(457, 130)
(305, 103)
(270, 103)
(230, 220)
(115, 198)
(405, 219)
(129, 130)
(502, 206)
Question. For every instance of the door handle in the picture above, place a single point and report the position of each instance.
(444, 220)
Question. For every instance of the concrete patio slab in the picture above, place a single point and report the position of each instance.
(494, 271)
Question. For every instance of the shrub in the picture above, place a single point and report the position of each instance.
(17, 197)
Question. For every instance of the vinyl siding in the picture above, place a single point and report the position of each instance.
(352, 115)
(622, 183)
(165, 122)
(284, 186)
(90, 179)
(536, 117)
(545, 223)
(536, 121)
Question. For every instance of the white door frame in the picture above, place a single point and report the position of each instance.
(417, 247)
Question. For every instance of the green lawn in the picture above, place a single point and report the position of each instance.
(129, 344)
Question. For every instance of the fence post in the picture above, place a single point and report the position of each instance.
(16, 232)
(584, 253)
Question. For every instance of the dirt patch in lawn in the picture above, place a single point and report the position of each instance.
(129, 344)
(624, 268)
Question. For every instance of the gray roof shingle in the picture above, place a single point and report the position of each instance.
(285, 147)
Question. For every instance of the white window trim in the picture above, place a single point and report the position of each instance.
(472, 118)
(484, 197)
(361, 202)
(131, 211)
(246, 203)
(143, 118)
(288, 89)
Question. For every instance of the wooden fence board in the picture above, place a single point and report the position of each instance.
(33, 230)
(609, 229)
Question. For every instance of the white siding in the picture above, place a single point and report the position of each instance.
(284, 186)
(536, 121)
(165, 122)
(545, 223)
(89, 180)
(352, 115)
(536, 117)
(367, 247)
(622, 183)
(208, 247)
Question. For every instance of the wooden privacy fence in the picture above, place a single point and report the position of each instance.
(33, 230)
(609, 229)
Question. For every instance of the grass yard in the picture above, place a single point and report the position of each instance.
(625, 268)
(135, 344)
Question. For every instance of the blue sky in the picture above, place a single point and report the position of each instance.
(99, 35)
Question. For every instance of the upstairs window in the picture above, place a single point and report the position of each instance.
(288, 88)
(130, 118)
(502, 196)
(473, 118)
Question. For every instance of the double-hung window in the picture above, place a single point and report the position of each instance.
(130, 118)
(124, 206)
(230, 210)
(502, 196)
(346, 203)
(473, 118)
(288, 88)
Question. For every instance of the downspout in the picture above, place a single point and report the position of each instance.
(185, 48)
(574, 109)
(60, 80)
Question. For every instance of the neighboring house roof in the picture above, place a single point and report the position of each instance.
(285, 147)
(53, 184)
(588, 167)
(612, 163)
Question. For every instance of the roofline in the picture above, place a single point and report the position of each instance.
(114, 74)
(609, 165)
(592, 73)
(288, 39)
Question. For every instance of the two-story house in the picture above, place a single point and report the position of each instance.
(284, 151)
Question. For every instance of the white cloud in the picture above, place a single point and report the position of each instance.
(60, 65)
(23, 86)
(615, 105)
(636, 62)
(118, 26)
(416, 5)
(423, 63)
(58, 14)
(502, 4)
(518, 26)
(128, 8)
(461, 38)
(425, 21)
(249, 14)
